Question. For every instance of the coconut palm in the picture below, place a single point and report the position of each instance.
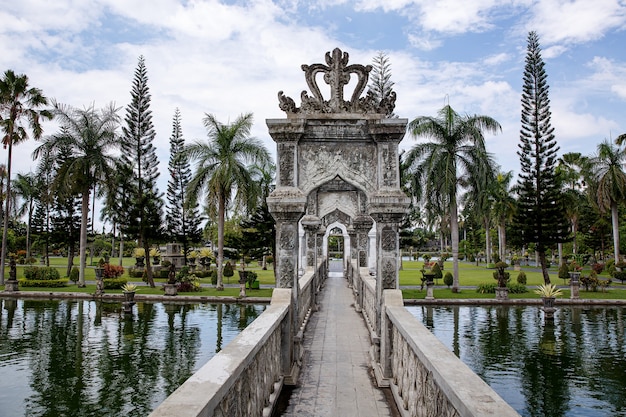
(222, 170)
(455, 157)
(90, 134)
(570, 170)
(503, 207)
(18, 103)
(28, 189)
(607, 183)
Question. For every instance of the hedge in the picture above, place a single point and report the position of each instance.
(43, 283)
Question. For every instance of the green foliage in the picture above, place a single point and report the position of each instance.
(43, 283)
(46, 273)
(448, 279)
(521, 278)
(228, 270)
(114, 283)
(486, 288)
(621, 275)
(251, 277)
(517, 288)
(564, 271)
(436, 269)
(74, 274)
(213, 277)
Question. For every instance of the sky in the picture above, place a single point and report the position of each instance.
(232, 57)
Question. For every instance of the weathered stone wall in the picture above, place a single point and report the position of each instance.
(246, 377)
(426, 378)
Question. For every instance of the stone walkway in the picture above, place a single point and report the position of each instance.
(336, 379)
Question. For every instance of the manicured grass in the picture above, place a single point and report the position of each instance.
(445, 293)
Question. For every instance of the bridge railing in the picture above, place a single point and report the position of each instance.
(424, 376)
(246, 377)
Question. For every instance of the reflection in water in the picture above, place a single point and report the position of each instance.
(86, 358)
(573, 367)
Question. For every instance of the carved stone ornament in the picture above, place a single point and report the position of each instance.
(287, 238)
(389, 274)
(337, 74)
(286, 273)
(389, 240)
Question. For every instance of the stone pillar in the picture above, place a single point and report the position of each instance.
(311, 225)
(362, 225)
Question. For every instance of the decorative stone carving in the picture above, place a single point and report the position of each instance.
(389, 239)
(287, 239)
(389, 274)
(336, 73)
(286, 164)
(286, 273)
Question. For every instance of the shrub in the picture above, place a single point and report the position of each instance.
(598, 267)
(114, 283)
(213, 277)
(189, 283)
(251, 277)
(621, 275)
(166, 264)
(521, 278)
(74, 274)
(228, 270)
(135, 272)
(517, 288)
(31, 260)
(564, 271)
(112, 271)
(43, 283)
(448, 279)
(437, 271)
(46, 273)
(269, 259)
(484, 288)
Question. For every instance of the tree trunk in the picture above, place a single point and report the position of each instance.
(5, 230)
(221, 214)
(454, 232)
(84, 210)
(502, 241)
(544, 270)
(615, 224)
(149, 276)
(487, 242)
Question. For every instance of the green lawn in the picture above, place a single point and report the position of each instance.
(410, 276)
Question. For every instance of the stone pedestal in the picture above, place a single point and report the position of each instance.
(429, 290)
(170, 289)
(11, 285)
(99, 287)
(502, 293)
(574, 284)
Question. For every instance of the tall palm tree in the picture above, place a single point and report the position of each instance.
(608, 183)
(455, 156)
(18, 103)
(28, 189)
(222, 168)
(570, 170)
(503, 207)
(90, 134)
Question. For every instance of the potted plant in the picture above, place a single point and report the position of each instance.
(191, 257)
(155, 253)
(129, 290)
(548, 293)
(574, 271)
(205, 255)
(140, 256)
(502, 292)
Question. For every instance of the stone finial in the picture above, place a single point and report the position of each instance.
(337, 73)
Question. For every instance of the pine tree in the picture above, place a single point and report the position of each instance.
(183, 217)
(540, 216)
(380, 78)
(138, 152)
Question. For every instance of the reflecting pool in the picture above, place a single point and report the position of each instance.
(86, 358)
(574, 367)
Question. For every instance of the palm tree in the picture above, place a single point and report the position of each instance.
(222, 169)
(18, 103)
(90, 134)
(28, 188)
(608, 183)
(503, 207)
(455, 156)
(570, 169)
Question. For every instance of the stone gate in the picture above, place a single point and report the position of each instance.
(338, 164)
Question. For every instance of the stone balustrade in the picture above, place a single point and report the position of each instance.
(246, 377)
(425, 377)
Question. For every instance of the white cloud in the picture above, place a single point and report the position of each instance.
(577, 21)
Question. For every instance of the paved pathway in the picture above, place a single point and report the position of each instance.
(336, 379)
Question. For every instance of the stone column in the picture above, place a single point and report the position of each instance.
(311, 225)
(362, 225)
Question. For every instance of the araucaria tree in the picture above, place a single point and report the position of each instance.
(540, 216)
(19, 103)
(144, 220)
(183, 217)
(380, 78)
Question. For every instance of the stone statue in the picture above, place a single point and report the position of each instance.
(171, 275)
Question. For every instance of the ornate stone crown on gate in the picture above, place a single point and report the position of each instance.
(337, 74)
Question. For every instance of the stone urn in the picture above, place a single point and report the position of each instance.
(502, 293)
(129, 296)
(170, 289)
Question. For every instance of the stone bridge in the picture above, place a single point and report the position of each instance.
(337, 170)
